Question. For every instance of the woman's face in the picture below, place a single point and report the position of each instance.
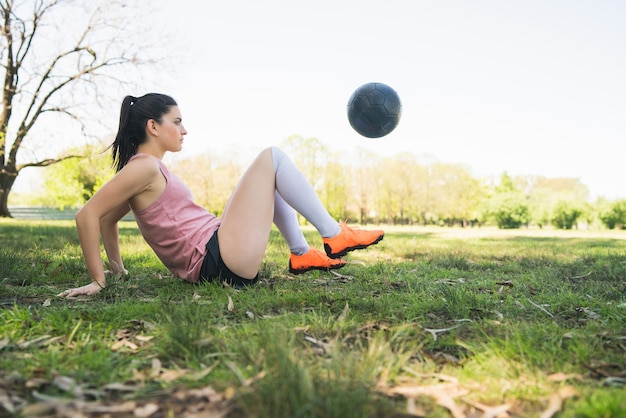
(171, 129)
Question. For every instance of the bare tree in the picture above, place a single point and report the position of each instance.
(58, 57)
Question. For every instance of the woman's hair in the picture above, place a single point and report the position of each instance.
(134, 115)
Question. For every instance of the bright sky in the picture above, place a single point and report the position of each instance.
(533, 87)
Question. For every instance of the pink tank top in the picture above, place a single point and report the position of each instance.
(176, 228)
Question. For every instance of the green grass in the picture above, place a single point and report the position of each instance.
(475, 319)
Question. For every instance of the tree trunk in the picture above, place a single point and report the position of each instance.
(7, 178)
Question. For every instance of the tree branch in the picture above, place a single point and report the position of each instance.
(44, 92)
(47, 162)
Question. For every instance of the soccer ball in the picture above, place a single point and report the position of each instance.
(374, 110)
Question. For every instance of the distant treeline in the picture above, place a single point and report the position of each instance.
(368, 188)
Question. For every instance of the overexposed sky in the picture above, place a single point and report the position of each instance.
(532, 87)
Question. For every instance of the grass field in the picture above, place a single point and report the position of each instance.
(430, 322)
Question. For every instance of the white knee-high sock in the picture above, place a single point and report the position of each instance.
(296, 190)
(286, 220)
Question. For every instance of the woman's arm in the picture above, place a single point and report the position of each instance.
(110, 237)
(105, 206)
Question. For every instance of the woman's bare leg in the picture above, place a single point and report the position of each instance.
(247, 218)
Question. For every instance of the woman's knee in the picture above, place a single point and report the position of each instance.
(278, 157)
(273, 151)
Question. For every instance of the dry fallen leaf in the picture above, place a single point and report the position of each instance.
(231, 305)
(124, 343)
(150, 326)
(344, 313)
(54, 400)
(38, 409)
(170, 375)
(156, 368)
(445, 358)
(341, 276)
(562, 377)
(4, 342)
(413, 409)
(591, 314)
(319, 343)
(124, 333)
(442, 393)
(541, 308)
(146, 411)
(97, 408)
(67, 384)
(557, 399)
(120, 387)
(37, 340)
(491, 411)
(6, 402)
(507, 283)
(436, 332)
(144, 338)
(203, 373)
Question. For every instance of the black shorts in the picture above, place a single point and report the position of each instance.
(213, 267)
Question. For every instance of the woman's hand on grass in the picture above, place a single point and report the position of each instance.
(116, 270)
(89, 289)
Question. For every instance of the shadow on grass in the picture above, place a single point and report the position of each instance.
(554, 241)
(24, 235)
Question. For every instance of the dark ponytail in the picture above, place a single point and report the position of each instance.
(134, 115)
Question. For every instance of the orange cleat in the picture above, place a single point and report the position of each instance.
(313, 260)
(350, 239)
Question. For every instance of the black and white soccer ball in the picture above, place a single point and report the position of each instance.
(374, 110)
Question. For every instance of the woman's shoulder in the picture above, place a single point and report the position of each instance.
(142, 168)
(143, 162)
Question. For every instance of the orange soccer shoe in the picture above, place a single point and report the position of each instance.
(350, 239)
(313, 260)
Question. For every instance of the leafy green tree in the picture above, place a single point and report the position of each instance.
(395, 193)
(55, 62)
(72, 181)
(613, 214)
(334, 191)
(425, 195)
(566, 214)
(313, 158)
(545, 193)
(509, 210)
(507, 206)
(310, 155)
(210, 178)
(457, 194)
(540, 207)
(365, 182)
(507, 184)
(561, 187)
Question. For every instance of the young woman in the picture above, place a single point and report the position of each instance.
(191, 242)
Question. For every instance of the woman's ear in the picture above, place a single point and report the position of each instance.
(152, 127)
